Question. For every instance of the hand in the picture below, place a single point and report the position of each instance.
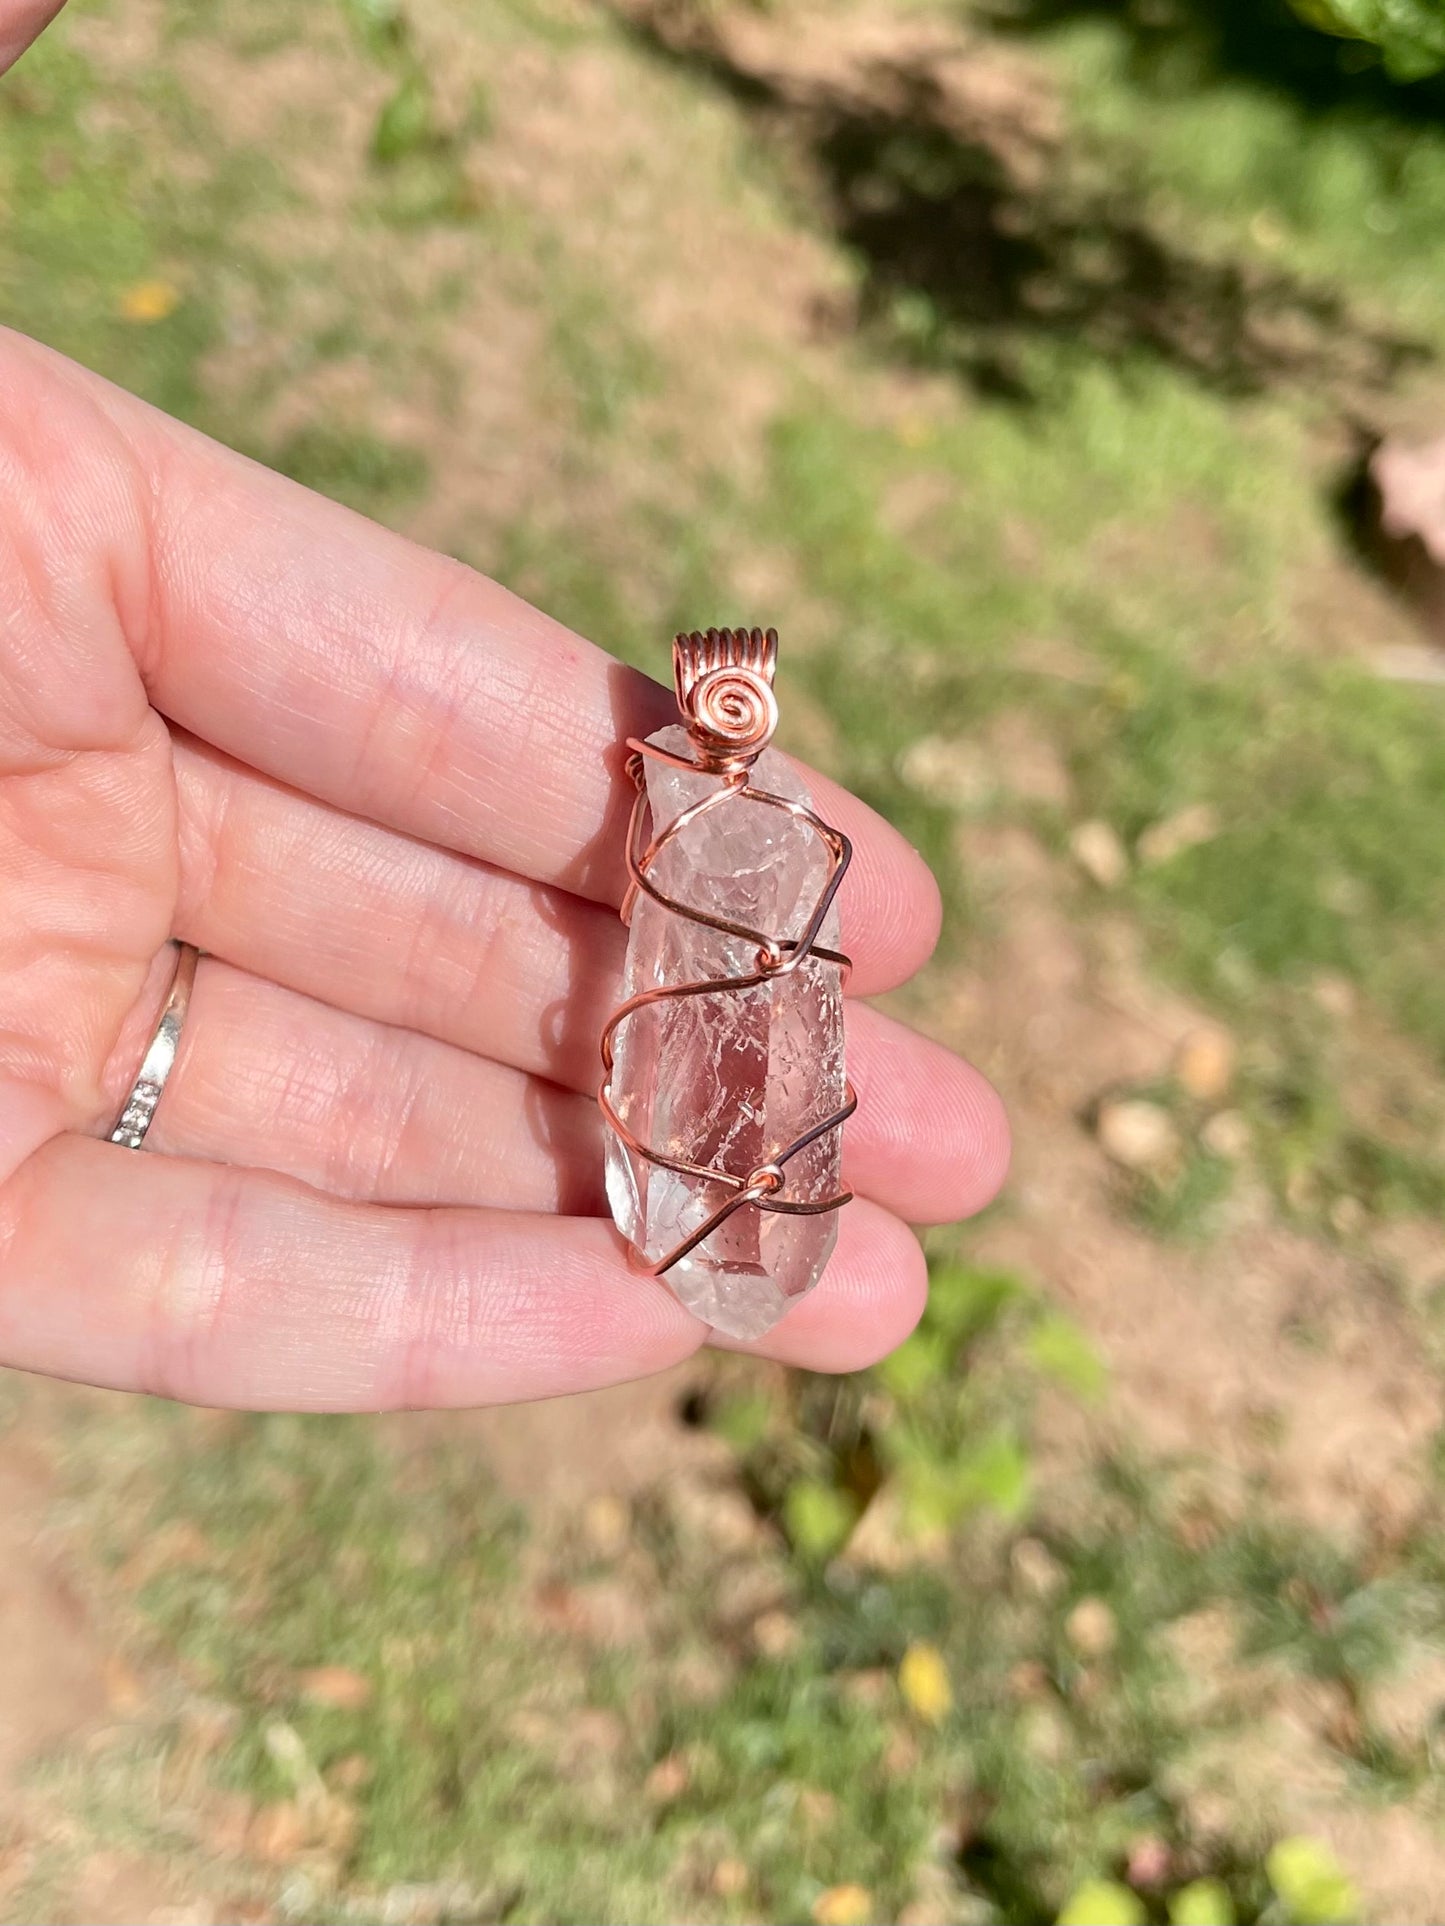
(387, 798)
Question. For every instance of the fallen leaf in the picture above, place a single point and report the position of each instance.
(335, 1685)
(279, 1832)
(607, 1523)
(729, 1877)
(1205, 1061)
(147, 301)
(668, 1780)
(924, 1682)
(843, 1906)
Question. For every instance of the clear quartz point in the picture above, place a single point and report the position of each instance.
(729, 1078)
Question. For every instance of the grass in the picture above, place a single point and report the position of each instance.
(97, 244)
(1121, 529)
(555, 1771)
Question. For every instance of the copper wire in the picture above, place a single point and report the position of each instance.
(724, 690)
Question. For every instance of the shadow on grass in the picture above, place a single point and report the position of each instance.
(1186, 46)
(983, 237)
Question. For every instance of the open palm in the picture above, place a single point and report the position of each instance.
(386, 797)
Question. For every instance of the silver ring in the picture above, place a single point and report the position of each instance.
(159, 1060)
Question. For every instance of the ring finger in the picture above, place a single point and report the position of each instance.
(278, 1081)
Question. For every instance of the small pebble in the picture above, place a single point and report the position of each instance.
(1035, 1568)
(1137, 1134)
(1100, 854)
(775, 1634)
(1226, 1134)
(1091, 1628)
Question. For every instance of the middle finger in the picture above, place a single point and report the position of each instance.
(425, 941)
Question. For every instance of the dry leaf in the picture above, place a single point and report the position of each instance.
(335, 1685)
(843, 1906)
(668, 1780)
(729, 1878)
(924, 1682)
(148, 301)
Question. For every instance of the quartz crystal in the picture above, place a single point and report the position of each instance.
(729, 1078)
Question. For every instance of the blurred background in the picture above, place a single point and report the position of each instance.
(1052, 373)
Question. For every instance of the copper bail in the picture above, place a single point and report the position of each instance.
(724, 682)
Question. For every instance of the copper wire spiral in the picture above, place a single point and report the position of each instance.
(724, 690)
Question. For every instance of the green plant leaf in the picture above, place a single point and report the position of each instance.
(380, 24)
(1311, 1884)
(1103, 1902)
(998, 1473)
(964, 1302)
(405, 124)
(817, 1517)
(1060, 1350)
(923, 1361)
(743, 1421)
(1409, 33)
(1203, 1902)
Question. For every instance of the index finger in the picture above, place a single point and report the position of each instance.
(381, 677)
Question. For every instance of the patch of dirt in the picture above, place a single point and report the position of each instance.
(62, 1687)
(459, 356)
(1000, 232)
(114, 1888)
(1268, 1354)
(52, 1661)
(873, 61)
(556, 1456)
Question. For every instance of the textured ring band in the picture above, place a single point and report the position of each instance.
(140, 1105)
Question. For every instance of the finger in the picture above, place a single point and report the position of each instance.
(930, 1136)
(376, 675)
(281, 1082)
(865, 1304)
(22, 21)
(340, 907)
(243, 1288)
(407, 934)
(276, 1081)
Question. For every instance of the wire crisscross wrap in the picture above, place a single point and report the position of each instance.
(740, 655)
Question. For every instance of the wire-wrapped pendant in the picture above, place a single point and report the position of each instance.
(724, 1084)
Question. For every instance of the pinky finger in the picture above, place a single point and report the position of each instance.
(244, 1288)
